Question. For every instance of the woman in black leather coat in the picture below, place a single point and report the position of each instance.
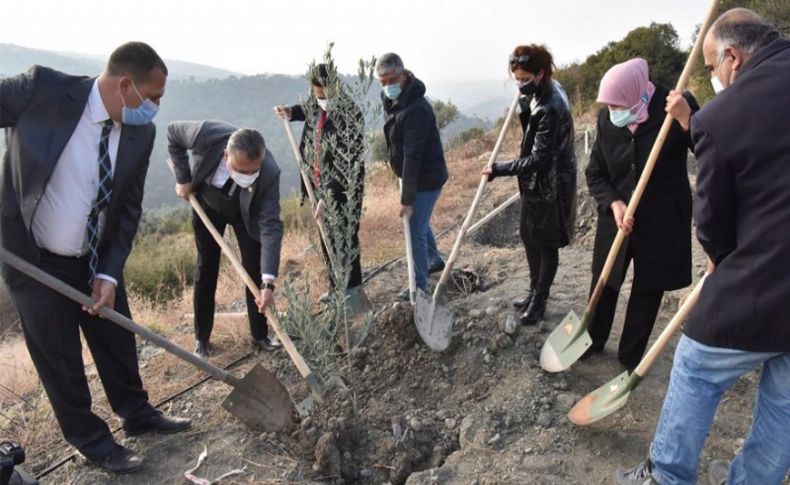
(546, 171)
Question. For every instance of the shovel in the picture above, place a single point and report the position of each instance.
(258, 399)
(495, 212)
(315, 383)
(571, 339)
(410, 260)
(433, 318)
(613, 395)
(356, 301)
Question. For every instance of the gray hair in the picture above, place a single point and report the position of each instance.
(248, 141)
(743, 29)
(389, 63)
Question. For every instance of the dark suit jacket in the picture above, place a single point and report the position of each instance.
(260, 206)
(742, 144)
(334, 179)
(40, 110)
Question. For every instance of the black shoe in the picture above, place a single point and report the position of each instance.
(535, 310)
(119, 461)
(156, 423)
(592, 349)
(639, 475)
(436, 267)
(202, 349)
(523, 303)
(268, 344)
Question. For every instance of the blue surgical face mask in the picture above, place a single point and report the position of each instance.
(141, 115)
(391, 91)
(621, 117)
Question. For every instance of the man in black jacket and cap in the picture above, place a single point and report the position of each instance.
(416, 157)
(743, 220)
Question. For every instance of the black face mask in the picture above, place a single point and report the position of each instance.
(528, 89)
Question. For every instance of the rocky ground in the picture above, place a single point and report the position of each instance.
(482, 412)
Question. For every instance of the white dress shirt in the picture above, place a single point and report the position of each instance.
(221, 174)
(60, 223)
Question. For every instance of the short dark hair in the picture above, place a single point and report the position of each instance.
(539, 58)
(248, 141)
(319, 76)
(136, 60)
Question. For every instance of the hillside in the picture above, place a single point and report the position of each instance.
(196, 92)
(15, 59)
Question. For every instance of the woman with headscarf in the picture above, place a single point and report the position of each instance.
(546, 171)
(659, 242)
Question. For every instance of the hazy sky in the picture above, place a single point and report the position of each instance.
(439, 40)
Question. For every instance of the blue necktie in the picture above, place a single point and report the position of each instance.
(102, 198)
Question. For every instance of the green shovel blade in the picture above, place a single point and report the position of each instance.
(566, 343)
(605, 400)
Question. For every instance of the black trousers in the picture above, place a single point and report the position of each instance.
(355, 277)
(209, 255)
(51, 324)
(543, 262)
(640, 317)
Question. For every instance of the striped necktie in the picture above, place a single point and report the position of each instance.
(102, 198)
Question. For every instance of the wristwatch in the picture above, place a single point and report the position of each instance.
(267, 285)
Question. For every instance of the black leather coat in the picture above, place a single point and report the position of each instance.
(546, 168)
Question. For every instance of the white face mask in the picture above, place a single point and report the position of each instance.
(717, 85)
(323, 103)
(244, 180)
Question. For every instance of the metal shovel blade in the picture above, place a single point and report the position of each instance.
(260, 401)
(318, 390)
(357, 301)
(605, 400)
(566, 343)
(434, 320)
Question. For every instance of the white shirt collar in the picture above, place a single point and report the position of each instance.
(98, 111)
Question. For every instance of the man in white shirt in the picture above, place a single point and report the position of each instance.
(72, 187)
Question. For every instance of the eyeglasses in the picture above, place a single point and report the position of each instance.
(523, 59)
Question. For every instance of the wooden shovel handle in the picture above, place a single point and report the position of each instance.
(308, 184)
(672, 327)
(501, 207)
(74, 294)
(476, 201)
(409, 254)
(651, 162)
(296, 357)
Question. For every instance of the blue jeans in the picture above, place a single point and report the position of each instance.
(700, 375)
(422, 241)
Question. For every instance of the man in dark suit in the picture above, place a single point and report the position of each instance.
(72, 187)
(237, 181)
(740, 322)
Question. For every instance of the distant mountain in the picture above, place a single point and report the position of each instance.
(239, 100)
(15, 59)
(486, 98)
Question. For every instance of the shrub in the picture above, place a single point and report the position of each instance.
(160, 267)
